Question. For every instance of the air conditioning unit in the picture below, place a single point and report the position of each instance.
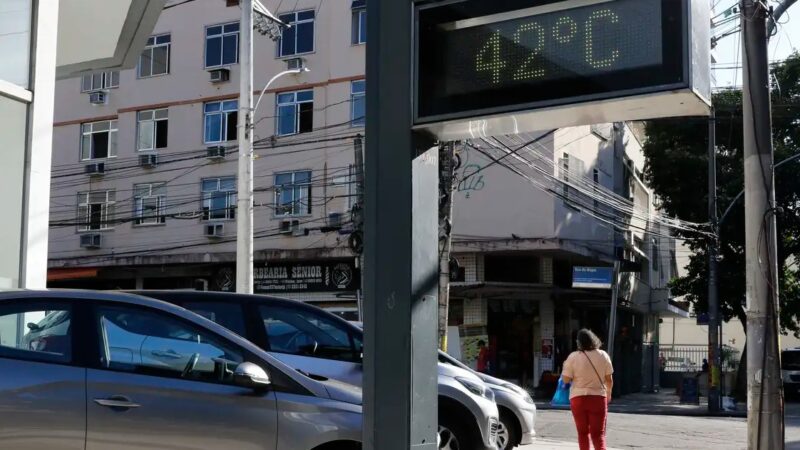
(97, 98)
(296, 63)
(217, 152)
(297, 232)
(289, 226)
(335, 219)
(91, 240)
(150, 160)
(219, 75)
(96, 169)
(214, 230)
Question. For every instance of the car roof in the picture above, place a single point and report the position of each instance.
(132, 299)
(227, 297)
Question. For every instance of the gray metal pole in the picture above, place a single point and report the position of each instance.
(400, 246)
(244, 210)
(714, 357)
(612, 318)
(765, 428)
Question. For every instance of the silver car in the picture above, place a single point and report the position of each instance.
(87, 370)
(517, 409)
(325, 346)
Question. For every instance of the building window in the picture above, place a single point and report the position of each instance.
(220, 121)
(99, 81)
(153, 126)
(295, 112)
(99, 140)
(358, 103)
(299, 37)
(148, 203)
(154, 59)
(359, 26)
(96, 210)
(293, 193)
(222, 45)
(219, 198)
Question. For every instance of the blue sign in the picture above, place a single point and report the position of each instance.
(592, 277)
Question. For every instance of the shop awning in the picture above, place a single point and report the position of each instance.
(489, 289)
(71, 273)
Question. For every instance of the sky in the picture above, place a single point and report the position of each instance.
(728, 51)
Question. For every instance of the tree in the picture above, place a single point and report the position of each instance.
(676, 152)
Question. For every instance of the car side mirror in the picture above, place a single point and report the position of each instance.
(250, 375)
(33, 327)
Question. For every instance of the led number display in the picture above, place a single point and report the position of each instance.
(475, 55)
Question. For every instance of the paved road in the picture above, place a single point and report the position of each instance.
(632, 431)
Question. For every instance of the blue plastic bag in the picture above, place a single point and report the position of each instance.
(561, 397)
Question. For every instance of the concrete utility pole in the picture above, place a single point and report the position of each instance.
(358, 219)
(765, 428)
(244, 180)
(714, 351)
(447, 161)
(401, 258)
(612, 316)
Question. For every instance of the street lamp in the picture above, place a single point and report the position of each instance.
(267, 24)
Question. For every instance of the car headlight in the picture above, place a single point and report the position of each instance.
(519, 391)
(475, 388)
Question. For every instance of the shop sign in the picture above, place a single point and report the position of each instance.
(592, 277)
(306, 276)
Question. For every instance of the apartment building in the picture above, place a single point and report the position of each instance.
(523, 222)
(145, 160)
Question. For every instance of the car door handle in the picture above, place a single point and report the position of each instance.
(166, 354)
(117, 401)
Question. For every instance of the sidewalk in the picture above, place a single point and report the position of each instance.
(547, 444)
(661, 403)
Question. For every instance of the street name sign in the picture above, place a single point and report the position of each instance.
(485, 68)
(593, 277)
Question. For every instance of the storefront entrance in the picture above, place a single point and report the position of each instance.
(512, 329)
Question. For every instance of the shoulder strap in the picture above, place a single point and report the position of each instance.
(603, 384)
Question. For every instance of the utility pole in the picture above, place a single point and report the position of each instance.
(765, 428)
(612, 317)
(447, 165)
(357, 212)
(714, 356)
(244, 180)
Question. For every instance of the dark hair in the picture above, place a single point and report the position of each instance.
(481, 342)
(588, 340)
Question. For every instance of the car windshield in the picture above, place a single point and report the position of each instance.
(790, 360)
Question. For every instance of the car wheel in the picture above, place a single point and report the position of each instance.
(455, 435)
(507, 435)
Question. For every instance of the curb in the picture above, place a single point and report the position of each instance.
(652, 412)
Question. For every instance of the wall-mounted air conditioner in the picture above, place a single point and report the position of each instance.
(91, 240)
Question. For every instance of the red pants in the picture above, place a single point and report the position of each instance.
(589, 412)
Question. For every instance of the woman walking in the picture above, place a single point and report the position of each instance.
(589, 370)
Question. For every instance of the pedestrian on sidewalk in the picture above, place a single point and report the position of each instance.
(589, 370)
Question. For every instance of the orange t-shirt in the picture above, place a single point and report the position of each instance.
(584, 379)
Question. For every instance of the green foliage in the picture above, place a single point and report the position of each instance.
(677, 169)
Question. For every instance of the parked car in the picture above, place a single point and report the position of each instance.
(790, 372)
(325, 346)
(113, 370)
(516, 407)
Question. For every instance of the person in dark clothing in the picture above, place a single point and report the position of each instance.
(483, 357)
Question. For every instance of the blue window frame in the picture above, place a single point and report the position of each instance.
(299, 37)
(220, 120)
(359, 26)
(295, 112)
(222, 45)
(358, 103)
